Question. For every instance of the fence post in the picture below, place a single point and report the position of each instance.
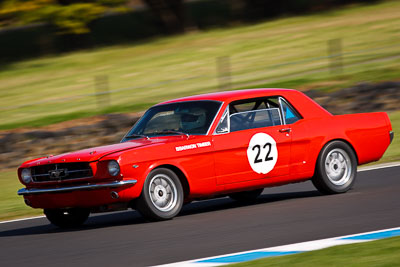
(102, 91)
(224, 72)
(335, 56)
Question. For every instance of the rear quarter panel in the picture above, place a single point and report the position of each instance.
(367, 133)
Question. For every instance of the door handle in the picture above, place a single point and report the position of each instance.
(285, 130)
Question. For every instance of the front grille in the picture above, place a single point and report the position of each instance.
(61, 172)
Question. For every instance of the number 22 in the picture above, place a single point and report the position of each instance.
(267, 157)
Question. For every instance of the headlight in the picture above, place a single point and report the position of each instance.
(113, 168)
(26, 176)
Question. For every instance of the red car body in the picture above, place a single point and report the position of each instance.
(214, 163)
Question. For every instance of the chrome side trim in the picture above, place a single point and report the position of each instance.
(283, 119)
(31, 191)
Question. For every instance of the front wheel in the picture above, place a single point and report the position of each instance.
(162, 195)
(67, 218)
(336, 168)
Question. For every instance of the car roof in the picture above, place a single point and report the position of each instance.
(229, 96)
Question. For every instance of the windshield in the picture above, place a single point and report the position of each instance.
(190, 117)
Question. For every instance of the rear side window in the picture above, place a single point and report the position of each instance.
(290, 115)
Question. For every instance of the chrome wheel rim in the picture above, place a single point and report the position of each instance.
(163, 193)
(338, 166)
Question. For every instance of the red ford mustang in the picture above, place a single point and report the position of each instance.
(229, 143)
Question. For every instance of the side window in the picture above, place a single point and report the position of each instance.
(289, 114)
(255, 119)
(257, 113)
(254, 113)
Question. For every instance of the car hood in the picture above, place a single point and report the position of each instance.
(95, 153)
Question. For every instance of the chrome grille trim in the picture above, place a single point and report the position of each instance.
(61, 172)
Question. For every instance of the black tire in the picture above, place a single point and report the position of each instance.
(162, 195)
(67, 218)
(247, 196)
(336, 168)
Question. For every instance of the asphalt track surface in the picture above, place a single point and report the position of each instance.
(283, 215)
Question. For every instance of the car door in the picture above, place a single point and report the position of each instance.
(251, 143)
(300, 165)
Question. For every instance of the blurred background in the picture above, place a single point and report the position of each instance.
(76, 74)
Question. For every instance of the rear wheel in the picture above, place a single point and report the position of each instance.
(162, 195)
(67, 218)
(247, 196)
(336, 168)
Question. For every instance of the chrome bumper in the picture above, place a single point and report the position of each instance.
(31, 191)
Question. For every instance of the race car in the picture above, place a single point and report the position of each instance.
(232, 144)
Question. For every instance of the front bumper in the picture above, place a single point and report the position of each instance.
(35, 191)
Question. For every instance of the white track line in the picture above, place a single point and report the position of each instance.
(379, 166)
(23, 219)
(296, 248)
(361, 169)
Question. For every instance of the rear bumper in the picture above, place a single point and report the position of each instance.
(35, 191)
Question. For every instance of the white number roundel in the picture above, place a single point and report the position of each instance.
(262, 153)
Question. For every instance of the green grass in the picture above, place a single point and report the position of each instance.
(11, 205)
(270, 54)
(393, 152)
(383, 252)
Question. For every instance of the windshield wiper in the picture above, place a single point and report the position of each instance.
(137, 135)
(170, 132)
